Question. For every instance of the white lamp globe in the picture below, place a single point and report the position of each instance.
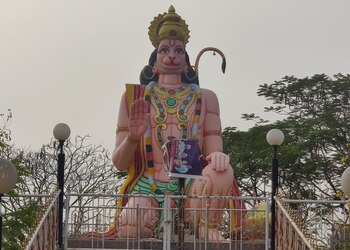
(275, 137)
(61, 131)
(345, 182)
(8, 176)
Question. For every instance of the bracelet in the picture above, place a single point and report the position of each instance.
(122, 129)
(132, 140)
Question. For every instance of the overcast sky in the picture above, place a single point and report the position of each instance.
(68, 60)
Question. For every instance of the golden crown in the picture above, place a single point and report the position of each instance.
(168, 25)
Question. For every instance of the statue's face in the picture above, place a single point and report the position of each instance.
(171, 57)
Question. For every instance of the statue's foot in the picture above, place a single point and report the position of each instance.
(212, 235)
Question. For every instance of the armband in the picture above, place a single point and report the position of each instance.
(122, 129)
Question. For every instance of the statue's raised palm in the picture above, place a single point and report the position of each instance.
(138, 118)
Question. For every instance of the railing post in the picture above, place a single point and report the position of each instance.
(138, 226)
(0, 222)
(267, 228)
(206, 225)
(181, 209)
(66, 204)
(167, 223)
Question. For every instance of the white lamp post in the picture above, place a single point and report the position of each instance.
(8, 179)
(61, 132)
(345, 182)
(275, 138)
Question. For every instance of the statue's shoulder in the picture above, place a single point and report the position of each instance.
(208, 94)
(210, 100)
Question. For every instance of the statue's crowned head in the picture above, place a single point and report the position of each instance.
(168, 25)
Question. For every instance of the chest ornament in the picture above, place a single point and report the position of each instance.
(172, 101)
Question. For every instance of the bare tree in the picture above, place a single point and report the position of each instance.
(88, 169)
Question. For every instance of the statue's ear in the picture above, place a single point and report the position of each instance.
(155, 69)
(185, 69)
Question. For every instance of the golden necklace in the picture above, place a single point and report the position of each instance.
(172, 101)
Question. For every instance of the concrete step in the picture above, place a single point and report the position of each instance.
(77, 244)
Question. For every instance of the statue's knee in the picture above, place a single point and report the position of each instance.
(218, 177)
(133, 223)
(150, 219)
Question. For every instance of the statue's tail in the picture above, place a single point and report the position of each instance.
(214, 50)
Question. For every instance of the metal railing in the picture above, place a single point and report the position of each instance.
(289, 234)
(313, 224)
(44, 235)
(95, 217)
(301, 224)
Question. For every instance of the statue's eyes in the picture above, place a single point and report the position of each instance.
(179, 51)
(163, 51)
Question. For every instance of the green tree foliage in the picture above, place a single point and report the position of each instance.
(315, 115)
(17, 220)
(250, 157)
(318, 112)
(17, 224)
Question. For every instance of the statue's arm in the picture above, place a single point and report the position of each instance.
(130, 128)
(213, 145)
